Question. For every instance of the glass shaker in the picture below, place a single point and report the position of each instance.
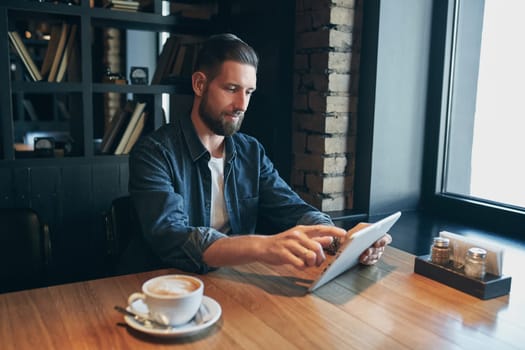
(440, 251)
(475, 261)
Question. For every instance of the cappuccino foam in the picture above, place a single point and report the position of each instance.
(173, 286)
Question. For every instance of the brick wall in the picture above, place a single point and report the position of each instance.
(326, 71)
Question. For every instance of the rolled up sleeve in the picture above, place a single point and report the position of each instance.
(315, 218)
(160, 208)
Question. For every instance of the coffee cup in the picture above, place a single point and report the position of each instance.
(171, 299)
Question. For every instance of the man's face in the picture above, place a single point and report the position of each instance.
(226, 98)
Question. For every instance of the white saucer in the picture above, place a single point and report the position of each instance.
(214, 313)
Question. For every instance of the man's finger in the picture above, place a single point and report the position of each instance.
(323, 230)
(383, 241)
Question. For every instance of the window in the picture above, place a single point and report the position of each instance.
(479, 166)
(486, 113)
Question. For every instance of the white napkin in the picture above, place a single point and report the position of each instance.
(460, 244)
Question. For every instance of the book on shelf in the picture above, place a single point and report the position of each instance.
(196, 48)
(135, 134)
(68, 51)
(30, 109)
(115, 128)
(177, 59)
(58, 53)
(188, 64)
(64, 112)
(126, 5)
(165, 60)
(176, 68)
(73, 67)
(51, 49)
(204, 10)
(169, 55)
(137, 112)
(173, 58)
(21, 50)
(184, 64)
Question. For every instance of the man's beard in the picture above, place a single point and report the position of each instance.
(218, 124)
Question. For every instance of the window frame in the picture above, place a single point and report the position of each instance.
(508, 220)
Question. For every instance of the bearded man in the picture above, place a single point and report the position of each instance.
(199, 186)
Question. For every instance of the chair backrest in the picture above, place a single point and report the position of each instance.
(121, 226)
(127, 250)
(25, 249)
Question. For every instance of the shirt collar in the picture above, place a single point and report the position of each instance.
(195, 146)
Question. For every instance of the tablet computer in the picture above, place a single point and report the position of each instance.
(348, 254)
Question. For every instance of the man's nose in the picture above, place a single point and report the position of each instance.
(241, 101)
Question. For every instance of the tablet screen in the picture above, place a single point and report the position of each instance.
(352, 248)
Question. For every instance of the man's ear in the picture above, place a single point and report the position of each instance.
(198, 83)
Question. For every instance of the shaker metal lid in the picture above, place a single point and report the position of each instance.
(476, 252)
(441, 242)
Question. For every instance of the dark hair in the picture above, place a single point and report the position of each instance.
(224, 47)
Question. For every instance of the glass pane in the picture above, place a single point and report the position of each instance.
(487, 116)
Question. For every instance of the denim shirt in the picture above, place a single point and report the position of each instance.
(170, 184)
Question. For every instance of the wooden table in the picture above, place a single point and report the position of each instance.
(384, 306)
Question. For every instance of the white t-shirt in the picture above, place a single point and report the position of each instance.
(218, 215)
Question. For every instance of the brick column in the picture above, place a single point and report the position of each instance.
(325, 101)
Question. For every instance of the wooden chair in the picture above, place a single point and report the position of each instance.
(121, 226)
(25, 249)
(127, 252)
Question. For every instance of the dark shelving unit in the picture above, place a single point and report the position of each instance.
(71, 192)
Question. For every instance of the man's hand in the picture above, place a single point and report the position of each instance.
(300, 246)
(373, 254)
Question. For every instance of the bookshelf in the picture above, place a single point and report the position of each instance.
(70, 71)
(72, 190)
(74, 186)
